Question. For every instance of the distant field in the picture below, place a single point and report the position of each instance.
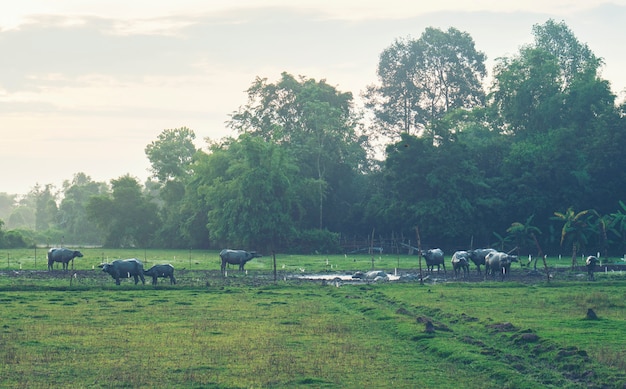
(78, 329)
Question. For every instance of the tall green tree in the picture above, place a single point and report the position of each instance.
(171, 158)
(421, 80)
(563, 125)
(539, 89)
(316, 124)
(171, 154)
(253, 189)
(573, 57)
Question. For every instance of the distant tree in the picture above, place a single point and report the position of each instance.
(126, 216)
(72, 215)
(252, 193)
(423, 79)
(22, 216)
(540, 88)
(171, 157)
(171, 154)
(7, 204)
(573, 57)
(45, 206)
(12, 239)
(316, 124)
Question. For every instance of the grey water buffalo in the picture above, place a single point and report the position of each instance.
(478, 257)
(434, 257)
(237, 257)
(124, 268)
(62, 255)
(591, 266)
(498, 262)
(164, 271)
(460, 262)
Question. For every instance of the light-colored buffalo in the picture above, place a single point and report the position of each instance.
(460, 262)
(237, 257)
(498, 262)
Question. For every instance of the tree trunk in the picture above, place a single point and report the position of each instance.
(574, 254)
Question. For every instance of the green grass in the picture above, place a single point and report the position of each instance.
(247, 331)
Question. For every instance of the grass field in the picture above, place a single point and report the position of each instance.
(59, 330)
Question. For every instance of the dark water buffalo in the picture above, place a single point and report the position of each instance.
(478, 257)
(62, 255)
(498, 262)
(161, 271)
(434, 257)
(124, 268)
(591, 266)
(237, 257)
(460, 262)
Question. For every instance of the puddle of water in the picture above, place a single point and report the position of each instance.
(342, 277)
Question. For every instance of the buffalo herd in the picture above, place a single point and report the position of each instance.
(495, 263)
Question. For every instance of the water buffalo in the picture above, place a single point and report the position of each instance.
(478, 257)
(156, 271)
(124, 268)
(434, 257)
(62, 255)
(496, 261)
(236, 257)
(591, 266)
(372, 275)
(460, 262)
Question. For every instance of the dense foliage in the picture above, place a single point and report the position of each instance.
(532, 161)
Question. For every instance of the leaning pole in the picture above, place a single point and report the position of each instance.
(419, 254)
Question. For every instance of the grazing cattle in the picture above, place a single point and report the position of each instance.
(591, 266)
(161, 271)
(124, 268)
(498, 262)
(434, 257)
(460, 262)
(478, 257)
(62, 255)
(237, 257)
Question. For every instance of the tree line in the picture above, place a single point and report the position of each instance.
(532, 160)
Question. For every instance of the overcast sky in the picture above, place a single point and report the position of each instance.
(86, 85)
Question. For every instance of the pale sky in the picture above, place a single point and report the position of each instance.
(85, 85)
